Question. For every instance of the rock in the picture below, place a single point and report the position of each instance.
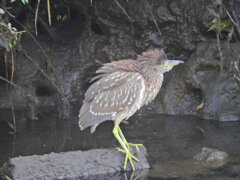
(212, 158)
(200, 83)
(181, 23)
(72, 165)
(201, 164)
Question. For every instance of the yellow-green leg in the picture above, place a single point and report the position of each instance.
(129, 157)
(125, 141)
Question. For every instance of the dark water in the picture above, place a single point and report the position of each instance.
(167, 138)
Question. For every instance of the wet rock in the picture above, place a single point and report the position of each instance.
(201, 164)
(205, 85)
(72, 165)
(212, 158)
(181, 23)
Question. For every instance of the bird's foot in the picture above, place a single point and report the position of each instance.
(132, 144)
(129, 157)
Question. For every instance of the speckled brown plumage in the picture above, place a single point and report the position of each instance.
(121, 88)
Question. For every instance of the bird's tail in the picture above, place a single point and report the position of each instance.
(87, 119)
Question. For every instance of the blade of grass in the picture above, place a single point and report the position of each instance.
(49, 12)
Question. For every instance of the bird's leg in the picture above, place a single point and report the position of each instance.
(125, 141)
(129, 157)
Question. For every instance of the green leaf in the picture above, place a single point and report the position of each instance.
(214, 25)
(225, 24)
(10, 45)
(12, 1)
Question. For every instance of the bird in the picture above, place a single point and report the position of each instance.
(119, 89)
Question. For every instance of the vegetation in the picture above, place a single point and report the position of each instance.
(225, 24)
(11, 37)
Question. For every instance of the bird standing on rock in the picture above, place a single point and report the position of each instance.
(122, 87)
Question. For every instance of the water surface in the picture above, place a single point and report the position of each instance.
(167, 138)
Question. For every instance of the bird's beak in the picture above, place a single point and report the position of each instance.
(172, 63)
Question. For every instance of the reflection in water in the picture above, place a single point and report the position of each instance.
(136, 175)
(167, 138)
(133, 177)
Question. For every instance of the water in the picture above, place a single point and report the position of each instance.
(167, 138)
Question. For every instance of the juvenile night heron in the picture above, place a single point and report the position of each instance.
(120, 89)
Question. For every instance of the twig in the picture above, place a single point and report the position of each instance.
(16, 86)
(36, 16)
(53, 36)
(5, 9)
(230, 17)
(13, 113)
(6, 67)
(219, 46)
(155, 22)
(10, 97)
(45, 75)
(237, 71)
(7, 87)
(218, 30)
(11, 31)
(131, 20)
(12, 73)
(47, 59)
(124, 11)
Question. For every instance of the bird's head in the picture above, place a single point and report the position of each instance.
(167, 65)
(158, 57)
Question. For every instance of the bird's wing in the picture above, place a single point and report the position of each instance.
(125, 65)
(110, 95)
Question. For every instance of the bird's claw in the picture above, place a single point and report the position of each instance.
(129, 157)
(132, 144)
(133, 157)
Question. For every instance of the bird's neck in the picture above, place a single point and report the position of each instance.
(153, 79)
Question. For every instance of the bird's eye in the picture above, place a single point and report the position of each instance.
(163, 63)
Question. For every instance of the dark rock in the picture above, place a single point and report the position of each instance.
(201, 164)
(181, 23)
(200, 87)
(212, 158)
(73, 165)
